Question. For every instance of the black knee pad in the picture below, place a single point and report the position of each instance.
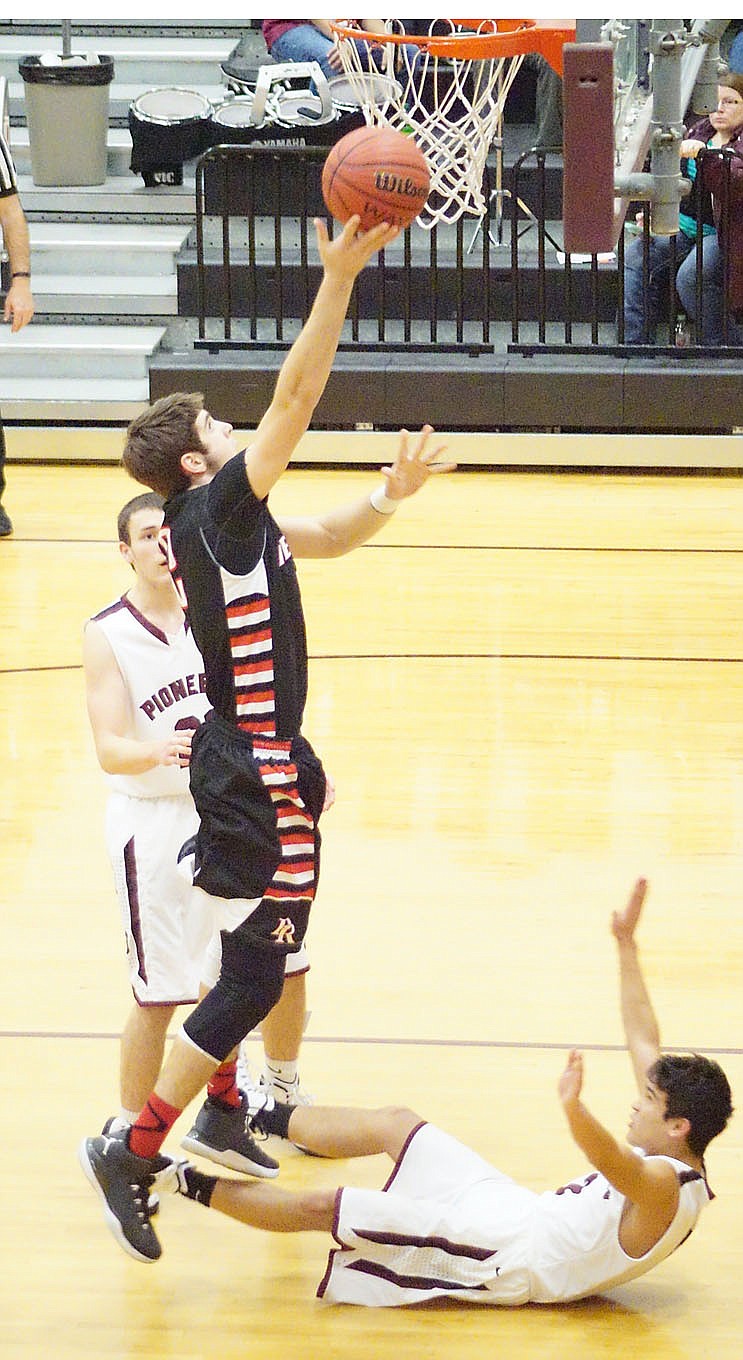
(249, 985)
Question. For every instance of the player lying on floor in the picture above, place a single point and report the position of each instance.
(448, 1223)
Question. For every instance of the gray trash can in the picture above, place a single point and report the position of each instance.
(67, 115)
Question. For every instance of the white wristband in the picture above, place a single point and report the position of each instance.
(381, 502)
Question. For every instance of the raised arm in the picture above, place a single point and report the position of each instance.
(347, 527)
(307, 366)
(109, 711)
(649, 1183)
(638, 1017)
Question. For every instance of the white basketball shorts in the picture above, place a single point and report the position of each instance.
(167, 926)
(171, 929)
(447, 1224)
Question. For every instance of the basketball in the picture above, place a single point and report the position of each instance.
(379, 174)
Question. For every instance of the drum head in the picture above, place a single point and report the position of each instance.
(303, 108)
(235, 112)
(382, 88)
(169, 106)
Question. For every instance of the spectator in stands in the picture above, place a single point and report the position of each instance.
(19, 304)
(548, 102)
(722, 128)
(312, 40)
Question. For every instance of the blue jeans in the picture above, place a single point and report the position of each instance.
(304, 42)
(735, 55)
(709, 330)
(659, 267)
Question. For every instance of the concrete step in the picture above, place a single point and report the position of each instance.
(84, 352)
(94, 248)
(103, 295)
(123, 198)
(119, 145)
(54, 400)
(129, 26)
(142, 61)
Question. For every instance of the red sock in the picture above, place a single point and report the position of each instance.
(223, 1084)
(152, 1127)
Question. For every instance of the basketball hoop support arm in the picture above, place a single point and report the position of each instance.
(663, 187)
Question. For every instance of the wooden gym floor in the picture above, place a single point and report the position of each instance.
(529, 690)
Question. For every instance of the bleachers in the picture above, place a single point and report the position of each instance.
(104, 256)
(121, 259)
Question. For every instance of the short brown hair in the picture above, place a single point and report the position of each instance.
(149, 500)
(696, 1089)
(157, 439)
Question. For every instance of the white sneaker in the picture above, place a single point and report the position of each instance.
(168, 1176)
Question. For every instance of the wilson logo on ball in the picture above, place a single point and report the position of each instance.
(393, 184)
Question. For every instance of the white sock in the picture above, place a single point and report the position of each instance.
(124, 1120)
(285, 1072)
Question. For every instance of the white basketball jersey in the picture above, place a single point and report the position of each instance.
(448, 1222)
(165, 679)
(576, 1249)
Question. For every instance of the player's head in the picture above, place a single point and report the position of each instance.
(139, 524)
(727, 118)
(149, 500)
(687, 1101)
(157, 440)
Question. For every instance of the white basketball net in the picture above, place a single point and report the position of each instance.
(461, 117)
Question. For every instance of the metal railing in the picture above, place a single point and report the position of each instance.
(257, 270)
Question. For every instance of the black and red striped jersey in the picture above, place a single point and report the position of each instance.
(229, 556)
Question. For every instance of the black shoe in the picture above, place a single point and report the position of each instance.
(153, 1201)
(6, 524)
(123, 1182)
(221, 1134)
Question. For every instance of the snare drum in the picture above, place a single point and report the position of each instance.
(285, 114)
(304, 108)
(233, 121)
(168, 127)
(380, 89)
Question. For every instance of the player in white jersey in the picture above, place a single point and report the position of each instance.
(146, 697)
(448, 1223)
(18, 307)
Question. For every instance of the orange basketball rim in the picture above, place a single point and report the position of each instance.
(487, 38)
(448, 91)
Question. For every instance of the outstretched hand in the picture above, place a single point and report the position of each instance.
(624, 923)
(345, 256)
(414, 464)
(570, 1084)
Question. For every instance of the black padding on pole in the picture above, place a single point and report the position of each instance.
(588, 140)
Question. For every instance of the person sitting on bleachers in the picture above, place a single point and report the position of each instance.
(724, 127)
(725, 250)
(312, 40)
